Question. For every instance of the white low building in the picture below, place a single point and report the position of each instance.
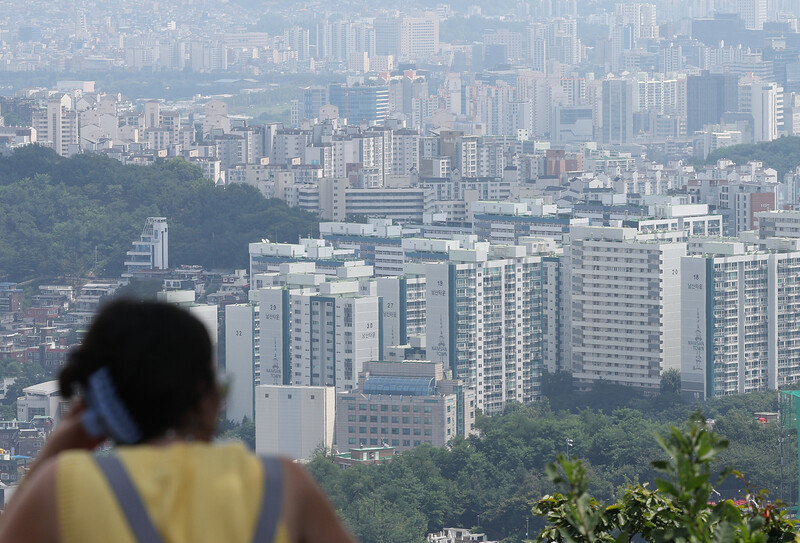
(42, 400)
(294, 421)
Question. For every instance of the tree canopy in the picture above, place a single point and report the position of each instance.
(685, 507)
(491, 481)
(79, 215)
(782, 154)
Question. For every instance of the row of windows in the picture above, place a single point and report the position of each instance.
(394, 408)
(395, 442)
(393, 431)
(395, 420)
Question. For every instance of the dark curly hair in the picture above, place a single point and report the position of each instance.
(159, 357)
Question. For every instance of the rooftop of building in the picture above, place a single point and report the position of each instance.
(48, 388)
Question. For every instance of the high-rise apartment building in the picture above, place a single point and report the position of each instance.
(740, 317)
(483, 312)
(753, 13)
(624, 304)
(330, 335)
(57, 126)
(764, 101)
(562, 44)
(242, 359)
(408, 38)
(419, 36)
(641, 18)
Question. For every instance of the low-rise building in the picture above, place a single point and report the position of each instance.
(43, 399)
(403, 405)
(294, 421)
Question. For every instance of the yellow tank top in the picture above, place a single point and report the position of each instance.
(194, 493)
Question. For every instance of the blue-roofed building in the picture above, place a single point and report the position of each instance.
(404, 404)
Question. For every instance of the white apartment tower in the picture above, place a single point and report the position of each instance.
(764, 101)
(242, 359)
(57, 126)
(151, 250)
(324, 339)
(625, 305)
(419, 36)
(753, 13)
(740, 318)
(640, 17)
(483, 313)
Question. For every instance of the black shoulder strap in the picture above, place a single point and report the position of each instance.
(271, 501)
(129, 500)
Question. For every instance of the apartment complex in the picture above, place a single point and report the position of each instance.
(624, 305)
(484, 313)
(740, 316)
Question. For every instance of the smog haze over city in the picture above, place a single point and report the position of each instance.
(493, 258)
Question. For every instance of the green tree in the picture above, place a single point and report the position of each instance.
(77, 216)
(681, 509)
(671, 381)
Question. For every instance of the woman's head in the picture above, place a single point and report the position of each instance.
(159, 359)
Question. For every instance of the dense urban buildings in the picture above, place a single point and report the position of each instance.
(501, 194)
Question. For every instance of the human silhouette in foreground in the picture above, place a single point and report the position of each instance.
(144, 377)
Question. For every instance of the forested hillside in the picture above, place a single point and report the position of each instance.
(493, 480)
(782, 154)
(57, 215)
